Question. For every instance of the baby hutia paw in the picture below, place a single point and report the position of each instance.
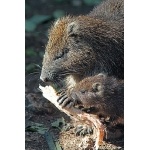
(81, 130)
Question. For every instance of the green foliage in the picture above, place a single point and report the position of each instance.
(41, 129)
(30, 26)
(91, 2)
(52, 142)
(37, 19)
(30, 52)
(36, 127)
(58, 146)
(33, 22)
(59, 1)
(30, 67)
(58, 13)
(60, 122)
(62, 1)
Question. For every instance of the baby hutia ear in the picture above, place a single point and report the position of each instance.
(102, 75)
(72, 28)
(96, 87)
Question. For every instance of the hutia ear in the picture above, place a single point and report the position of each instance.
(102, 75)
(72, 28)
(96, 87)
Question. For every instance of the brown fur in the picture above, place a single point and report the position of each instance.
(84, 46)
(104, 94)
(81, 47)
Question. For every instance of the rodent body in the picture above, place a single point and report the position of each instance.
(105, 95)
(84, 46)
(81, 47)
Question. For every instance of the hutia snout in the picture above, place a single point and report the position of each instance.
(47, 76)
(44, 79)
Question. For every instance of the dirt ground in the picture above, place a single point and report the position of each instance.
(46, 127)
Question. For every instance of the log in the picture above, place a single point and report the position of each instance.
(50, 94)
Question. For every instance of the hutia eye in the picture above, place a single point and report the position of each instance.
(65, 50)
(61, 54)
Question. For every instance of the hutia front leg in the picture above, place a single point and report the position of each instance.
(65, 101)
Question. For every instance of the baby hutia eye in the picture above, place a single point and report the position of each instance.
(62, 53)
(96, 87)
(82, 91)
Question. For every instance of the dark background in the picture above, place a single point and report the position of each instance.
(39, 15)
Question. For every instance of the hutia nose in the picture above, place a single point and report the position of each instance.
(44, 79)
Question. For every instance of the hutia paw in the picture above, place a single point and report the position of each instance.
(83, 130)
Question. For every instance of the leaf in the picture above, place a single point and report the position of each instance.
(91, 2)
(30, 129)
(59, 1)
(33, 22)
(30, 67)
(38, 19)
(58, 147)
(30, 52)
(58, 13)
(50, 141)
(58, 123)
(36, 127)
(30, 26)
